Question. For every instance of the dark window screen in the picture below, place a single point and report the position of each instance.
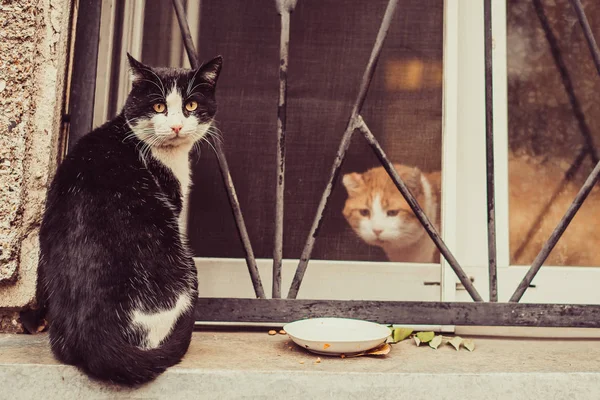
(330, 43)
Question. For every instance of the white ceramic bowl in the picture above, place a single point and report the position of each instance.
(331, 336)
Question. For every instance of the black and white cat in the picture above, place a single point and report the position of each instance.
(115, 272)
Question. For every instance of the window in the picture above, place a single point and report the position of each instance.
(523, 67)
(425, 105)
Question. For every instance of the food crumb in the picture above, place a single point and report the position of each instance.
(282, 332)
(301, 361)
(343, 356)
(318, 360)
(272, 333)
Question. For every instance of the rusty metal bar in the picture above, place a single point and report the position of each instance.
(414, 205)
(566, 80)
(489, 154)
(343, 147)
(225, 174)
(587, 186)
(278, 311)
(284, 8)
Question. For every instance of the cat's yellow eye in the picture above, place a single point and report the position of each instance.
(364, 212)
(159, 107)
(191, 105)
(392, 213)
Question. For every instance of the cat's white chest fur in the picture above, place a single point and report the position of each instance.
(176, 159)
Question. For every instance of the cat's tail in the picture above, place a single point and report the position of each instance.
(123, 363)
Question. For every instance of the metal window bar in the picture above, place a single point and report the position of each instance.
(408, 312)
(226, 175)
(489, 154)
(284, 7)
(415, 312)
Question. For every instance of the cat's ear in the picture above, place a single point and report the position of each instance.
(137, 69)
(210, 71)
(353, 182)
(413, 180)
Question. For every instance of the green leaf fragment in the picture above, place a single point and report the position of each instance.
(456, 342)
(425, 337)
(401, 333)
(469, 344)
(435, 342)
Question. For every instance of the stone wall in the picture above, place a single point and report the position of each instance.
(33, 56)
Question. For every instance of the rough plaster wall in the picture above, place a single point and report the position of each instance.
(33, 54)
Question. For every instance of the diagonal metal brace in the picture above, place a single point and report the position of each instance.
(414, 205)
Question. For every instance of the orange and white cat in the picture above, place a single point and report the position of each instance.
(381, 217)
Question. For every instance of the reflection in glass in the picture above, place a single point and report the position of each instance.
(554, 124)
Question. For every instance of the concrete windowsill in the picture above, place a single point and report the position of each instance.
(255, 365)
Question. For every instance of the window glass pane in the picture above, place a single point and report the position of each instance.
(329, 48)
(552, 113)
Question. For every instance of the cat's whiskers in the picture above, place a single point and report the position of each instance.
(134, 130)
(199, 138)
(157, 97)
(215, 133)
(193, 91)
(162, 87)
(141, 143)
(132, 134)
(130, 121)
(141, 150)
(190, 83)
(204, 139)
(217, 137)
(196, 147)
(147, 144)
(162, 90)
